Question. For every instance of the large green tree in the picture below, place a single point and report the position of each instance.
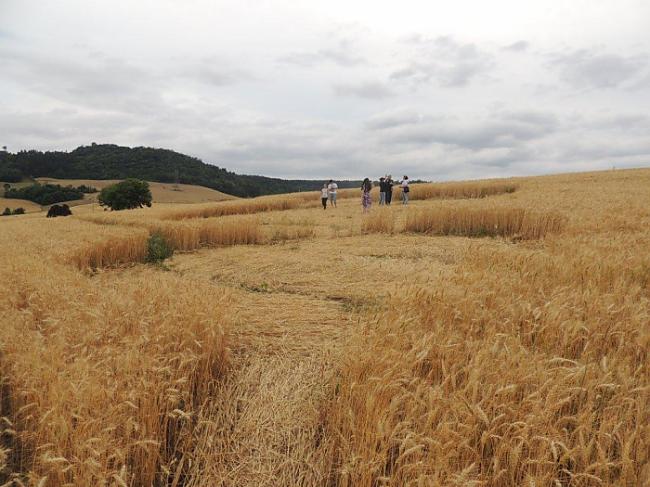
(126, 195)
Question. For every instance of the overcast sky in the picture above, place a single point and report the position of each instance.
(335, 88)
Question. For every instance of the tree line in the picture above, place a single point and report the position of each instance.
(108, 161)
(47, 194)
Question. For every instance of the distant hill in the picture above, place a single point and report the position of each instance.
(161, 192)
(108, 161)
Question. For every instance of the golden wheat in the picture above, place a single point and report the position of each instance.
(513, 388)
(459, 190)
(478, 222)
(102, 376)
(364, 352)
(379, 221)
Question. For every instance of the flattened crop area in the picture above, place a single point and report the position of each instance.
(489, 334)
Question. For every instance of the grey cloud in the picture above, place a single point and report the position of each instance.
(445, 61)
(342, 55)
(214, 76)
(393, 119)
(518, 46)
(104, 82)
(500, 130)
(370, 90)
(499, 157)
(592, 69)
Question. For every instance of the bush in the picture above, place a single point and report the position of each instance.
(6, 212)
(158, 249)
(45, 194)
(86, 189)
(126, 195)
(19, 211)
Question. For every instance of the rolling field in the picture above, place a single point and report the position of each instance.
(161, 192)
(28, 206)
(492, 333)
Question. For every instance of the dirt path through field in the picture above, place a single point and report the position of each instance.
(293, 319)
(284, 350)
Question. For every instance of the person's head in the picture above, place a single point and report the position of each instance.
(331, 181)
(325, 185)
(382, 178)
(405, 177)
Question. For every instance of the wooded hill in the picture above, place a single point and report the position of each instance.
(108, 161)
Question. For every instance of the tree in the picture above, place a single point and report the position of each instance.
(126, 195)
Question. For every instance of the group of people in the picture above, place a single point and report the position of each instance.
(329, 193)
(386, 183)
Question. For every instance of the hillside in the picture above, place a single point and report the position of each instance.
(161, 192)
(28, 206)
(108, 161)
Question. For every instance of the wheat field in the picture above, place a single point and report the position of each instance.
(490, 333)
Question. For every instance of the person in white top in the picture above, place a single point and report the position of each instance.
(405, 190)
(331, 188)
(323, 196)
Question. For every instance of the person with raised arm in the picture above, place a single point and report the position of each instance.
(405, 190)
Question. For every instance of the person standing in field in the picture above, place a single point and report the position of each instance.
(331, 188)
(366, 201)
(324, 196)
(405, 190)
(382, 191)
(388, 181)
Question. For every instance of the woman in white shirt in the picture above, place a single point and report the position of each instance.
(324, 196)
(405, 190)
(332, 187)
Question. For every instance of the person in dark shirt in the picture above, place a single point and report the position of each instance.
(389, 188)
(382, 191)
(366, 201)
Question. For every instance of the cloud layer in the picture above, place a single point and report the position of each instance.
(331, 92)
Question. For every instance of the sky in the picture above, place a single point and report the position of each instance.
(438, 90)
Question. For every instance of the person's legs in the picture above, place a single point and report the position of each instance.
(405, 198)
(324, 201)
(389, 197)
(382, 198)
(334, 199)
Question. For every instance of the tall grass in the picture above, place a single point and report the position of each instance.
(246, 207)
(182, 236)
(359, 361)
(210, 232)
(112, 251)
(478, 222)
(379, 221)
(507, 373)
(456, 190)
(102, 377)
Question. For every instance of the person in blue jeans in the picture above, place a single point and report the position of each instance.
(405, 190)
